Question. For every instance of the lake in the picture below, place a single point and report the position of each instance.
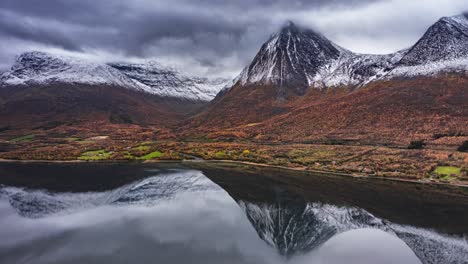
(200, 212)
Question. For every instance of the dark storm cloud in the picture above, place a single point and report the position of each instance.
(15, 27)
(209, 35)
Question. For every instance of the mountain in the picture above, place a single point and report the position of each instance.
(45, 90)
(40, 68)
(445, 40)
(301, 58)
(167, 82)
(442, 48)
(301, 87)
(291, 59)
(43, 68)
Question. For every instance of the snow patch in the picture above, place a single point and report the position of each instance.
(41, 68)
(295, 56)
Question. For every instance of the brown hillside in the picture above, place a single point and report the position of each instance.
(393, 111)
(55, 105)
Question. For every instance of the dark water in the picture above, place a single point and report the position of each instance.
(208, 213)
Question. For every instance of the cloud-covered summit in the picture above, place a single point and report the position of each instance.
(211, 37)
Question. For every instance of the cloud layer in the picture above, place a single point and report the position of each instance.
(207, 36)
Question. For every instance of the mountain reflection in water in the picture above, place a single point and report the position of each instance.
(178, 215)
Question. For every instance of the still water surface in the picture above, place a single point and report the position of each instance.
(139, 213)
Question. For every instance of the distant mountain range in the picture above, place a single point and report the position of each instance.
(40, 68)
(299, 87)
(46, 90)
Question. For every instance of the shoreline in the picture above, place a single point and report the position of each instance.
(323, 172)
(333, 173)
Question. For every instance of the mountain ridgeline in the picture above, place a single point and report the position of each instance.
(299, 87)
(42, 89)
(298, 58)
(303, 87)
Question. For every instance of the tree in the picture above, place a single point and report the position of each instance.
(417, 144)
(463, 147)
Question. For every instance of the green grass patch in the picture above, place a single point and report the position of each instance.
(72, 139)
(142, 148)
(146, 143)
(448, 178)
(220, 155)
(95, 155)
(308, 157)
(129, 155)
(447, 171)
(152, 155)
(23, 138)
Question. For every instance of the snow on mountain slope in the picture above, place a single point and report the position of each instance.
(43, 68)
(301, 58)
(446, 40)
(170, 83)
(292, 58)
(444, 47)
(352, 69)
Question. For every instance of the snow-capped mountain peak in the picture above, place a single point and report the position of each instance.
(301, 58)
(290, 58)
(447, 39)
(42, 68)
(443, 48)
(460, 21)
(297, 58)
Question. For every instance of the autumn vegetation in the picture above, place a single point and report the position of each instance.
(409, 129)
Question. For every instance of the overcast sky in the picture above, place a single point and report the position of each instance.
(206, 37)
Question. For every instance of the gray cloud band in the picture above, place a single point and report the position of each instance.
(209, 34)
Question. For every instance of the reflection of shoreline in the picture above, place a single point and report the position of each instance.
(198, 160)
(36, 203)
(201, 225)
(333, 173)
(437, 207)
(285, 221)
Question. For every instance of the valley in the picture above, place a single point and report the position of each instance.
(439, 161)
(303, 103)
(236, 132)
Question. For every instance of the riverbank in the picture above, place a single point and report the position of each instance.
(430, 164)
(322, 172)
(229, 163)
